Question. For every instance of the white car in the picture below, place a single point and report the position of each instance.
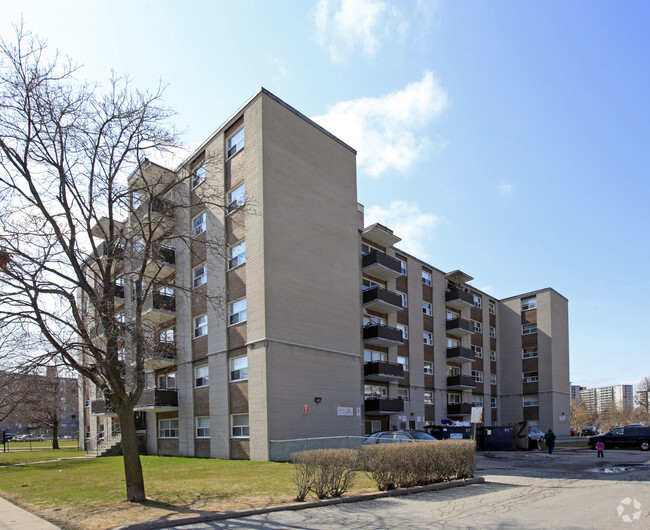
(535, 434)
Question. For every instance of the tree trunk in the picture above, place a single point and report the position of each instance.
(55, 435)
(132, 464)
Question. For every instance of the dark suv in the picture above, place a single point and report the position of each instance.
(624, 437)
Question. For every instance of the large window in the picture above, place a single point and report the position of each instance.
(428, 368)
(239, 424)
(404, 394)
(200, 275)
(237, 255)
(371, 356)
(453, 399)
(201, 376)
(200, 326)
(531, 401)
(239, 368)
(168, 428)
(477, 401)
(529, 353)
(404, 361)
(199, 224)
(236, 197)
(528, 303)
(529, 329)
(166, 381)
(203, 427)
(426, 278)
(235, 143)
(374, 391)
(237, 312)
(198, 175)
(426, 308)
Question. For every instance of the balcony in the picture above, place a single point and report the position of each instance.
(460, 327)
(159, 308)
(459, 409)
(380, 265)
(161, 263)
(156, 399)
(380, 235)
(458, 298)
(383, 371)
(164, 355)
(381, 300)
(152, 177)
(459, 354)
(102, 407)
(381, 406)
(461, 382)
(382, 335)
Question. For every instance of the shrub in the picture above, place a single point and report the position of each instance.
(324, 472)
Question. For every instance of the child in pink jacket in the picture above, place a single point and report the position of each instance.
(600, 447)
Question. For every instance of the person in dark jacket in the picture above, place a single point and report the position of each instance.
(549, 437)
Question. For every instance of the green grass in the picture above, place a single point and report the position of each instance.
(37, 455)
(582, 442)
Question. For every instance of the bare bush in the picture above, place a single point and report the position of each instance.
(324, 472)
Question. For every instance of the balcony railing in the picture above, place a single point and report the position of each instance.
(382, 335)
(460, 327)
(459, 298)
(102, 407)
(383, 371)
(377, 406)
(460, 354)
(460, 381)
(381, 265)
(158, 399)
(459, 409)
(382, 300)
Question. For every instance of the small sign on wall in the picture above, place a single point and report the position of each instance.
(305, 409)
(344, 411)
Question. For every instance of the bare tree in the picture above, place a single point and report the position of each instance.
(642, 395)
(84, 224)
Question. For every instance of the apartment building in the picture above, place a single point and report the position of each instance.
(329, 328)
(604, 398)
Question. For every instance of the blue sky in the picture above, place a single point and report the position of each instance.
(511, 137)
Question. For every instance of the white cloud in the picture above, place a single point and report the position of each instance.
(278, 66)
(407, 221)
(386, 130)
(343, 25)
(505, 188)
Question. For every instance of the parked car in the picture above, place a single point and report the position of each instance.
(574, 431)
(624, 437)
(30, 438)
(535, 434)
(386, 437)
(588, 431)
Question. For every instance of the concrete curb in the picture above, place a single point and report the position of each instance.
(219, 516)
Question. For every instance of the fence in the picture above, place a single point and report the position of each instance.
(281, 450)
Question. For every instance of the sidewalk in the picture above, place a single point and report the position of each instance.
(14, 518)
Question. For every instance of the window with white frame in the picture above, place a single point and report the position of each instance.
(235, 143)
(493, 379)
(493, 402)
(367, 284)
(370, 320)
(493, 355)
(453, 370)
(237, 312)
(239, 426)
(403, 297)
(237, 197)
(528, 303)
(451, 315)
(199, 224)
(452, 343)
(201, 376)
(404, 394)
(493, 333)
(239, 368)
(428, 338)
(370, 356)
(237, 255)
(529, 329)
(428, 368)
(402, 265)
(492, 308)
(198, 175)
(404, 329)
(426, 308)
(477, 401)
(168, 428)
(529, 353)
(428, 397)
(121, 317)
(375, 391)
(478, 326)
(531, 401)
(453, 399)
(200, 326)
(203, 427)
(166, 381)
(478, 351)
(199, 275)
(531, 377)
(477, 300)
(426, 278)
(404, 361)
(478, 376)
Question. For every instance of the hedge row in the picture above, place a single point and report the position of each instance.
(331, 472)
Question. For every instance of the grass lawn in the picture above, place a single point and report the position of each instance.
(90, 493)
(580, 442)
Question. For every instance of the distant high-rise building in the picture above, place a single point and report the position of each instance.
(602, 399)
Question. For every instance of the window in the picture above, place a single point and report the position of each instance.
(478, 326)
(493, 379)
(531, 377)
(404, 298)
(200, 326)
(453, 370)
(402, 265)
(478, 352)
(203, 427)
(404, 394)
(478, 376)
(528, 303)
(453, 399)
(235, 143)
(493, 402)
(477, 401)
(200, 275)
(531, 401)
(199, 224)
(168, 428)
(239, 424)
(428, 397)
(166, 336)
(529, 353)
(426, 278)
(404, 361)
(121, 317)
(426, 308)
(404, 329)
(452, 343)
(239, 368)
(237, 312)
(428, 338)
(367, 284)
(374, 391)
(236, 198)
(198, 175)
(493, 355)
(428, 368)
(476, 300)
(492, 308)
(237, 255)
(166, 381)
(201, 376)
(451, 315)
(493, 333)
(371, 356)
(529, 329)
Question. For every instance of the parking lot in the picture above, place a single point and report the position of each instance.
(569, 489)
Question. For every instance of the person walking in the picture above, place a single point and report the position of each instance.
(549, 437)
(600, 447)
